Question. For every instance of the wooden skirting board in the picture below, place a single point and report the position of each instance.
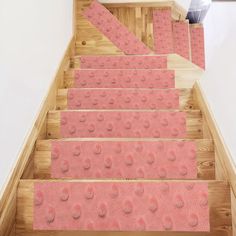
(225, 167)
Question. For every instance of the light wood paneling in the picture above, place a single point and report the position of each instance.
(185, 100)
(194, 124)
(219, 203)
(205, 158)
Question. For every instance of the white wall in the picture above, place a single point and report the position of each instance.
(219, 81)
(33, 37)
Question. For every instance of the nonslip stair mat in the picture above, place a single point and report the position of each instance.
(162, 30)
(197, 46)
(128, 124)
(181, 37)
(124, 78)
(123, 62)
(112, 28)
(122, 99)
(111, 159)
(121, 206)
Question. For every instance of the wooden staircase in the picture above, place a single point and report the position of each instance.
(102, 135)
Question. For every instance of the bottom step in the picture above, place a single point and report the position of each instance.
(123, 206)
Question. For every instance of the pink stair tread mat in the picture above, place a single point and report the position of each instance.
(126, 206)
(162, 30)
(128, 124)
(108, 78)
(122, 99)
(112, 28)
(106, 159)
(123, 62)
(181, 37)
(197, 46)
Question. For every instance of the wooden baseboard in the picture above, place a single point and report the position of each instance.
(8, 193)
(225, 168)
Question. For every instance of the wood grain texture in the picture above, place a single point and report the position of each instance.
(225, 166)
(205, 158)
(194, 124)
(137, 17)
(185, 101)
(219, 203)
(8, 193)
(233, 212)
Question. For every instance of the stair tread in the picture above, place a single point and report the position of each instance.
(76, 98)
(218, 198)
(197, 45)
(162, 30)
(192, 128)
(123, 62)
(50, 155)
(181, 38)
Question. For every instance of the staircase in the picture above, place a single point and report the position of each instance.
(127, 149)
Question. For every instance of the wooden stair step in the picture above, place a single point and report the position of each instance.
(114, 30)
(121, 78)
(124, 123)
(197, 45)
(162, 31)
(215, 194)
(181, 38)
(115, 99)
(182, 78)
(123, 62)
(122, 158)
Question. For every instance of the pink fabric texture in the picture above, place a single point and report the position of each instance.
(122, 99)
(112, 28)
(102, 78)
(173, 206)
(123, 62)
(109, 159)
(197, 46)
(162, 29)
(123, 124)
(181, 37)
